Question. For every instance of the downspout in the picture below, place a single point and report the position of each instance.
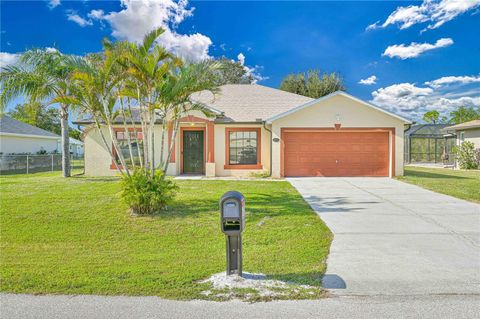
(406, 128)
(271, 145)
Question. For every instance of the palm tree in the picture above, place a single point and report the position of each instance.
(177, 92)
(96, 79)
(148, 67)
(41, 76)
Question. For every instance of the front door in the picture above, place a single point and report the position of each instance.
(193, 152)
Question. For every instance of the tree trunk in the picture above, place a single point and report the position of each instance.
(127, 132)
(139, 153)
(66, 169)
(152, 143)
(162, 143)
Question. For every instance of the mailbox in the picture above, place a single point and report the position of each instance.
(232, 220)
(232, 207)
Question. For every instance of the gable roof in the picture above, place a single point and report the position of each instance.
(10, 126)
(323, 98)
(249, 102)
(465, 126)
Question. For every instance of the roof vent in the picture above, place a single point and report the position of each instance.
(258, 120)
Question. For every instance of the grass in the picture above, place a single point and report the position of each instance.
(74, 236)
(457, 183)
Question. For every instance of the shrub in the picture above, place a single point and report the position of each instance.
(262, 174)
(466, 155)
(145, 194)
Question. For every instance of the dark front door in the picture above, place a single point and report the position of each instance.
(193, 152)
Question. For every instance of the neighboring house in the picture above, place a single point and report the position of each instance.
(257, 128)
(468, 131)
(76, 147)
(17, 137)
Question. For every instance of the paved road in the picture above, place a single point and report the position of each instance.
(93, 307)
(393, 238)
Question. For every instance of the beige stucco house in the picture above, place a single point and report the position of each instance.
(260, 129)
(468, 131)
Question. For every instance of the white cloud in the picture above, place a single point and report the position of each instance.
(368, 81)
(414, 49)
(96, 14)
(372, 26)
(8, 58)
(241, 58)
(140, 17)
(411, 101)
(73, 16)
(51, 50)
(448, 80)
(53, 3)
(435, 12)
(254, 71)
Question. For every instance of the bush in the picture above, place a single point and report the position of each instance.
(466, 155)
(145, 194)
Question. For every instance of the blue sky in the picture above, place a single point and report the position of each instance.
(415, 56)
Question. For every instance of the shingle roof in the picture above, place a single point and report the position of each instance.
(464, 126)
(12, 126)
(249, 102)
(118, 120)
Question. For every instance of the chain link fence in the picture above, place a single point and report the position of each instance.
(28, 164)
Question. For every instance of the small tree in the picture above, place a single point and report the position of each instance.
(131, 82)
(431, 117)
(466, 155)
(464, 114)
(231, 72)
(314, 84)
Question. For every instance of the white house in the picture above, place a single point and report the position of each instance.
(76, 147)
(17, 137)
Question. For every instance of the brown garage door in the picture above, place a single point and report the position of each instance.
(336, 153)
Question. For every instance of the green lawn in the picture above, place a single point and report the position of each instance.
(458, 183)
(74, 236)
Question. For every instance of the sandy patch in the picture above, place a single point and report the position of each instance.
(255, 287)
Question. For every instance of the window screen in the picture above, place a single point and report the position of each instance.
(243, 148)
(136, 143)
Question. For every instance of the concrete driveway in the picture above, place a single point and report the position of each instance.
(392, 238)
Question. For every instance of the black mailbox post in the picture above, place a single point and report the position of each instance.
(232, 219)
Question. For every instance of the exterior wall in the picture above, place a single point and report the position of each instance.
(76, 149)
(97, 156)
(471, 135)
(98, 160)
(17, 144)
(338, 110)
(220, 151)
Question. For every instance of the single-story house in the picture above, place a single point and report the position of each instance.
(17, 137)
(468, 131)
(260, 129)
(76, 147)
